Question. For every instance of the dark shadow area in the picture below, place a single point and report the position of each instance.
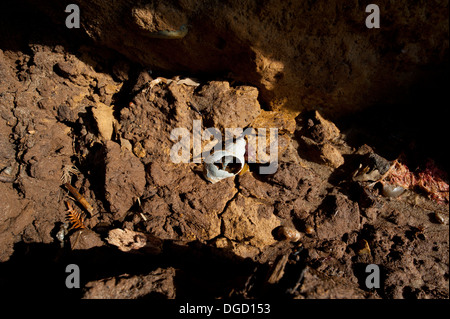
(342, 179)
(39, 270)
(292, 279)
(416, 127)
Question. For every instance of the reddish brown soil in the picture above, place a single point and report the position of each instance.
(191, 238)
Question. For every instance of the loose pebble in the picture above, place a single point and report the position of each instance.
(439, 218)
(288, 233)
(392, 191)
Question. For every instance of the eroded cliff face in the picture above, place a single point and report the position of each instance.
(300, 55)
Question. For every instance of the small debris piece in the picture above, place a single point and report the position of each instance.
(127, 240)
(330, 155)
(372, 168)
(68, 171)
(277, 270)
(309, 230)
(61, 234)
(74, 217)
(138, 150)
(125, 145)
(364, 248)
(431, 180)
(226, 163)
(188, 82)
(79, 198)
(400, 175)
(85, 239)
(103, 115)
(439, 218)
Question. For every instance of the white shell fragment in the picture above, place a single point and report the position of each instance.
(392, 190)
(225, 163)
(188, 82)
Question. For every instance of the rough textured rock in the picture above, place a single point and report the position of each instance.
(15, 216)
(299, 55)
(316, 285)
(103, 115)
(159, 282)
(155, 111)
(85, 239)
(124, 178)
(283, 121)
(330, 155)
(187, 206)
(337, 216)
(322, 130)
(248, 221)
(127, 240)
(228, 107)
(265, 123)
(319, 139)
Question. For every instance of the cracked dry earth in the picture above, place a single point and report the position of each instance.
(159, 229)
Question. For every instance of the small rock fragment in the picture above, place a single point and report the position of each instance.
(288, 233)
(67, 113)
(125, 145)
(372, 168)
(85, 239)
(330, 155)
(188, 82)
(124, 179)
(104, 118)
(250, 221)
(159, 282)
(309, 230)
(439, 218)
(322, 130)
(228, 107)
(127, 240)
(277, 271)
(138, 150)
